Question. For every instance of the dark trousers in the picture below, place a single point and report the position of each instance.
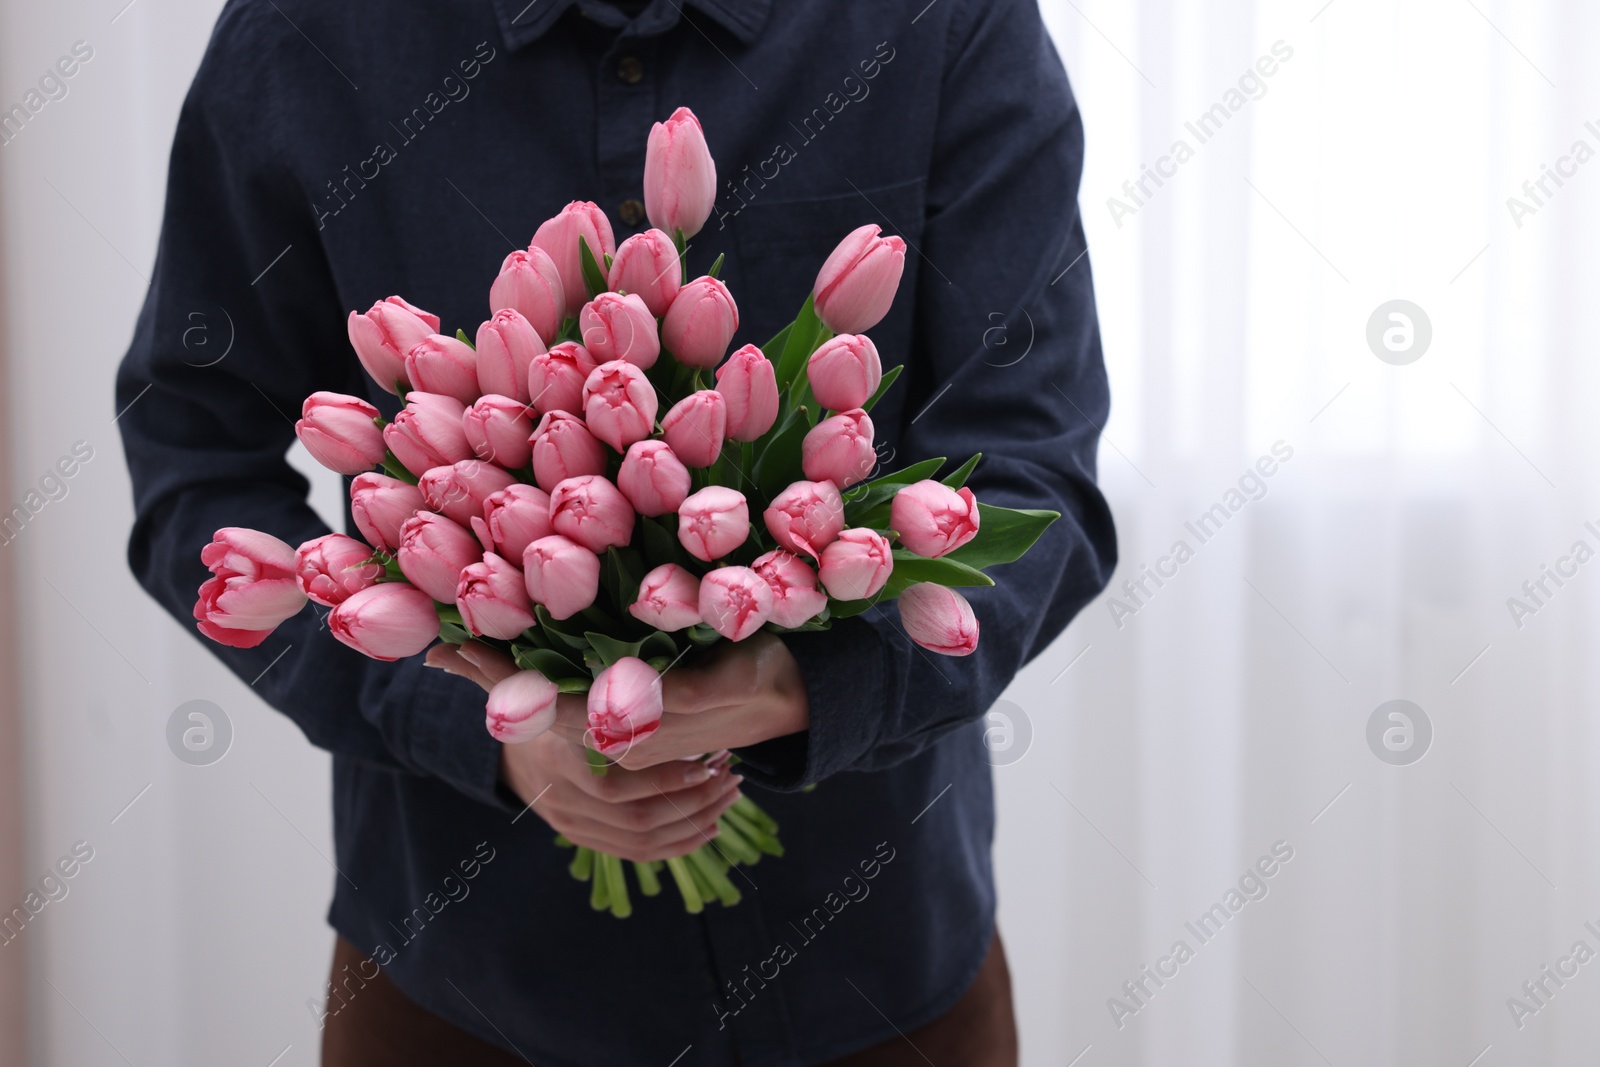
(381, 1028)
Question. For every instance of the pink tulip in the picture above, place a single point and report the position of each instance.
(750, 386)
(857, 282)
(512, 519)
(555, 379)
(735, 601)
(564, 448)
(592, 512)
(559, 237)
(493, 599)
(520, 707)
(696, 426)
(624, 705)
(498, 428)
(445, 365)
(796, 600)
(619, 404)
(434, 551)
(646, 265)
(680, 179)
(614, 326)
(459, 490)
(700, 324)
(939, 619)
(332, 567)
(839, 449)
(561, 574)
(932, 519)
(713, 522)
(530, 284)
(669, 599)
(388, 621)
(653, 479)
(845, 371)
(856, 565)
(381, 505)
(507, 344)
(384, 335)
(340, 433)
(806, 517)
(252, 589)
(428, 433)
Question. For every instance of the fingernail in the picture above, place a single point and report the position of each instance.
(697, 773)
(734, 780)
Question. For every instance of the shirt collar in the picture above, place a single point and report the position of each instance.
(525, 21)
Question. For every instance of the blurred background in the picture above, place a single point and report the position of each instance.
(1365, 270)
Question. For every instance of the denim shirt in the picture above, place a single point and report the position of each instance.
(329, 155)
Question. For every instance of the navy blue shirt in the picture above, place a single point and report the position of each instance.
(329, 155)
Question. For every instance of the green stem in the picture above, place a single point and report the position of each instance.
(396, 469)
(705, 862)
(598, 764)
(752, 811)
(735, 843)
(582, 866)
(617, 884)
(692, 901)
(599, 889)
(649, 884)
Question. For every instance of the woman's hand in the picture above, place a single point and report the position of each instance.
(657, 813)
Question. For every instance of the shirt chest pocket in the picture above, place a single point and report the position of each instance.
(782, 245)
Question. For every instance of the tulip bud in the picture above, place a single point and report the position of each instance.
(839, 449)
(493, 599)
(695, 427)
(932, 519)
(440, 364)
(388, 621)
(340, 433)
(619, 404)
(507, 344)
(713, 522)
(332, 567)
(459, 490)
(384, 335)
(428, 433)
(750, 386)
(844, 372)
(806, 517)
(512, 519)
(614, 326)
(555, 379)
(497, 428)
(592, 512)
(564, 448)
(735, 601)
(624, 705)
(561, 574)
(530, 283)
(796, 600)
(700, 324)
(669, 599)
(857, 282)
(680, 179)
(653, 479)
(559, 237)
(647, 265)
(939, 619)
(856, 565)
(381, 505)
(252, 588)
(434, 551)
(520, 707)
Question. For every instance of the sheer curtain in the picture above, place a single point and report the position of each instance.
(1209, 722)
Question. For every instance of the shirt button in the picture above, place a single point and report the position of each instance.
(631, 212)
(630, 70)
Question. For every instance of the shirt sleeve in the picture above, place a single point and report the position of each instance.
(1002, 235)
(241, 322)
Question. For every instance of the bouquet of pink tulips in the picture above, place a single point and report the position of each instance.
(577, 489)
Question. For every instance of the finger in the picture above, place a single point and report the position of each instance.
(631, 845)
(726, 678)
(668, 810)
(619, 785)
(448, 658)
(493, 664)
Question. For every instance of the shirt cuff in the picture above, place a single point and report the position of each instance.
(846, 678)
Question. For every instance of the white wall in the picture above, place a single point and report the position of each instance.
(1224, 716)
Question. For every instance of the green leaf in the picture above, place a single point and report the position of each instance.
(959, 478)
(661, 545)
(395, 469)
(553, 665)
(658, 644)
(773, 349)
(845, 609)
(609, 649)
(454, 633)
(778, 461)
(1004, 534)
(867, 504)
(461, 335)
(701, 635)
(883, 386)
(716, 268)
(910, 568)
(594, 279)
(621, 572)
(804, 336)
(556, 632)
